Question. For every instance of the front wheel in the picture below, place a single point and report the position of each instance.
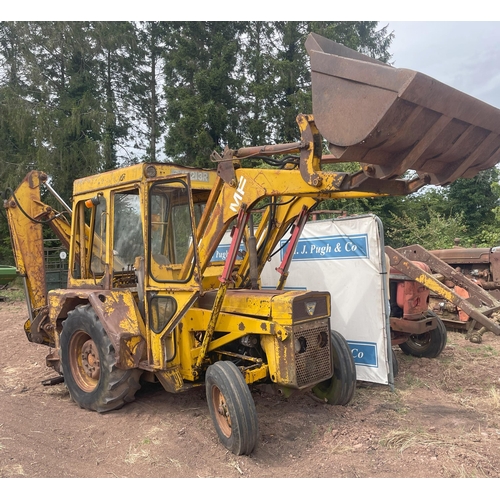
(429, 344)
(232, 407)
(339, 390)
(89, 366)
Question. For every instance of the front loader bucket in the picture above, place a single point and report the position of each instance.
(398, 119)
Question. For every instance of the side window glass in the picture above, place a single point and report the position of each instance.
(79, 246)
(128, 240)
(98, 251)
(170, 229)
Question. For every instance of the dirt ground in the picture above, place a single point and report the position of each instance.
(441, 421)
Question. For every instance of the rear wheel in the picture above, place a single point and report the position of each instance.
(89, 367)
(429, 344)
(232, 407)
(339, 390)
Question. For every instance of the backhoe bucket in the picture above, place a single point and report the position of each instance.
(398, 119)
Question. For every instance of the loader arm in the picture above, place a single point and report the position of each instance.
(290, 188)
(389, 120)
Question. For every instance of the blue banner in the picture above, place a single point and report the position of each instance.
(222, 251)
(364, 353)
(331, 247)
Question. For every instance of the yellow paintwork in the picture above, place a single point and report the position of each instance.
(252, 186)
(27, 237)
(436, 286)
(177, 352)
(197, 320)
(277, 360)
(171, 379)
(255, 374)
(163, 348)
(126, 176)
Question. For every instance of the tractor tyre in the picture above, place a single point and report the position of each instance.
(429, 344)
(232, 407)
(89, 366)
(339, 390)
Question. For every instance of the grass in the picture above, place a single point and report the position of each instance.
(482, 350)
(458, 471)
(135, 455)
(457, 454)
(234, 464)
(413, 381)
(494, 397)
(404, 439)
(147, 455)
(143, 451)
(465, 401)
(14, 470)
(14, 291)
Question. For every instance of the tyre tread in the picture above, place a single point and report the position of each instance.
(120, 385)
(439, 338)
(340, 389)
(230, 381)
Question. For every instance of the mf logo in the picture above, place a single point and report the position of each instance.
(310, 307)
(238, 195)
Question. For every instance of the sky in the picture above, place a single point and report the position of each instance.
(462, 54)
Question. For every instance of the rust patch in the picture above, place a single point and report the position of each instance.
(241, 326)
(131, 351)
(117, 312)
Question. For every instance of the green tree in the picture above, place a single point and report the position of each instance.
(435, 233)
(66, 97)
(147, 97)
(116, 55)
(231, 83)
(201, 90)
(17, 146)
(475, 198)
(17, 123)
(258, 80)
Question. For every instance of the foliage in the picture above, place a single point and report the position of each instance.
(434, 217)
(476, 198)
(437, 232)
(201, 89)
(489, 234)
(6, 256)
(145, 96)
(14, 292)
(81, 97)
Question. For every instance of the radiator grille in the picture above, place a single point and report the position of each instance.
(314, 360)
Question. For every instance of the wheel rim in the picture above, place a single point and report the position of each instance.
(84, 361)
(221, 411)
(419, 342)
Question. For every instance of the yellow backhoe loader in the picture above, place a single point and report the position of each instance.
(146, 301)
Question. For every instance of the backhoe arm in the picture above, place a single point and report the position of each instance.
(26, 214)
